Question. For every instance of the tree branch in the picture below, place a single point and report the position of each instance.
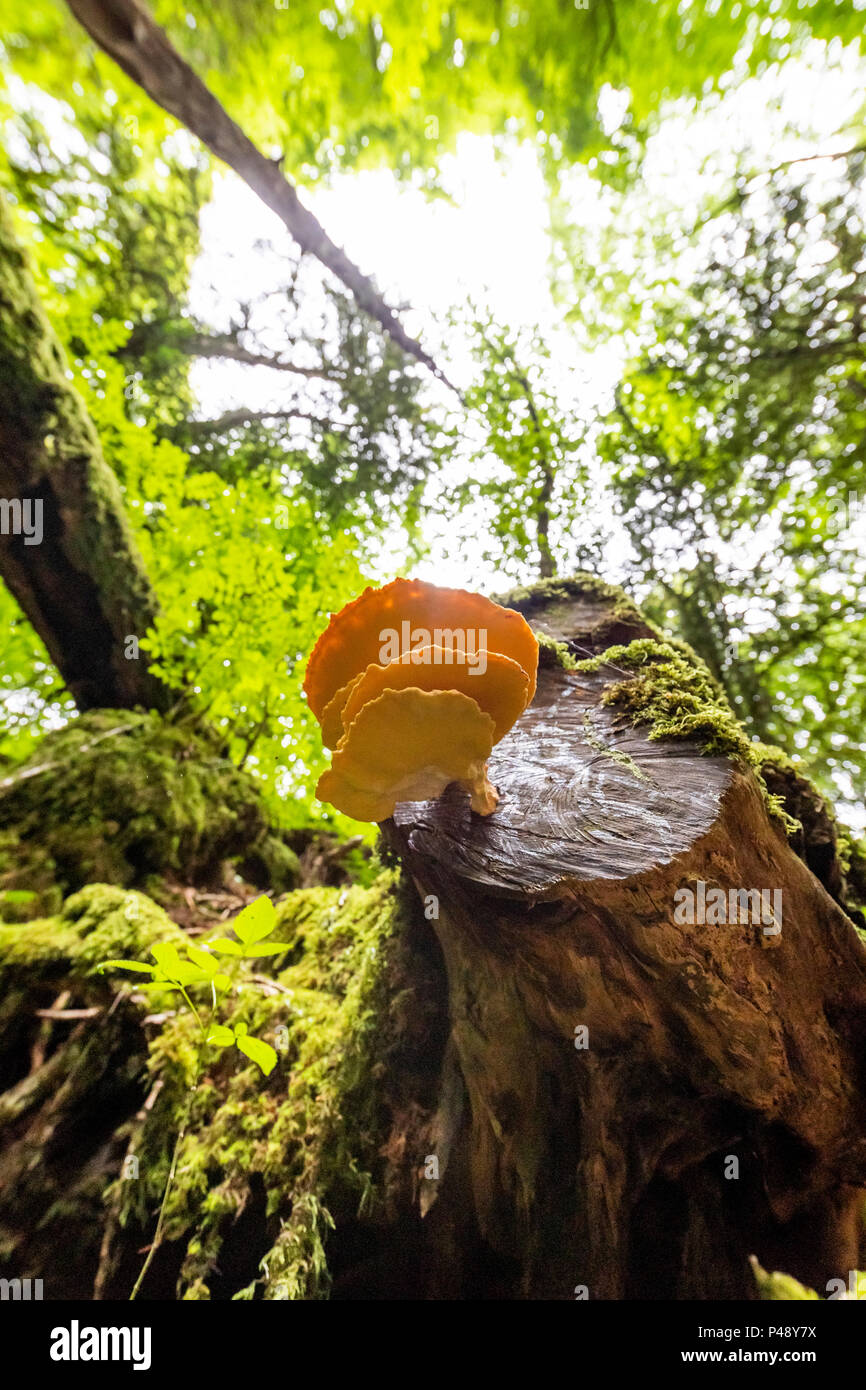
(219, 345)
(126, 32)
(232, 419)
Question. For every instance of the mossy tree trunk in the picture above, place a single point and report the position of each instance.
(77, 575)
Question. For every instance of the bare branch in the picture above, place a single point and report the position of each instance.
(202, 345)
(126, 32)
(220, 346)
(233, 419)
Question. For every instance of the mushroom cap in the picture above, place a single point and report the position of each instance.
(332, 715)
(407, 745)
(501, 690)
(352, 640)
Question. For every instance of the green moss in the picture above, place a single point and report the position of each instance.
(28, 879)
(553, 653)
(769, 755)
(116, 796)
(852, 858)
(311, 1132)
(98, 923)
(272, 863)
(674, 693)
(548, 592)
(676, 696)
(852, 862)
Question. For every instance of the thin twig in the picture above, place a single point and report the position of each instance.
(157, 1235)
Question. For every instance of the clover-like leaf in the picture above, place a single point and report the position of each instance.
(259, 1052)
(173, 967)
(127, 965)
(204, 960)
(255, 921)
(224, 946)
(220, 1035)
(166, 956)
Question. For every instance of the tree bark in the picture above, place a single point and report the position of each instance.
(79, 577)
(127, 33)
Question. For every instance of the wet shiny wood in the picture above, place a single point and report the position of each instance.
(583, 796)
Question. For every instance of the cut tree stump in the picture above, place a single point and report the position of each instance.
(631, 1106)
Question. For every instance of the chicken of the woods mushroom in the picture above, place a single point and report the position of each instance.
(412, 686)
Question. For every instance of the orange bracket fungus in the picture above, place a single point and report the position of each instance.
(412, 686)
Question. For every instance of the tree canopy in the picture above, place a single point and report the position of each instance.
(720, 474)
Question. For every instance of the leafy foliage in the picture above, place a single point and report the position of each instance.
(527, 473)
(251, 531)
(737, 449)
(357, 84)
(181, 968)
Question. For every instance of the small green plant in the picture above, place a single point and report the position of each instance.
(180, 968)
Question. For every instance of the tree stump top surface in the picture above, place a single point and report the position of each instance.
(583, 795)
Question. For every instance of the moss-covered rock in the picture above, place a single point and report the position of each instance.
(118, 796)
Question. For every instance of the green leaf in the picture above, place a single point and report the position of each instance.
(203, 959)
(166, 956)
(255, 921)
(174, 968)
(126, 965)
(220, 1035)
(270, 948)
(259, 1052)
(776, 1286)
(224, 947)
